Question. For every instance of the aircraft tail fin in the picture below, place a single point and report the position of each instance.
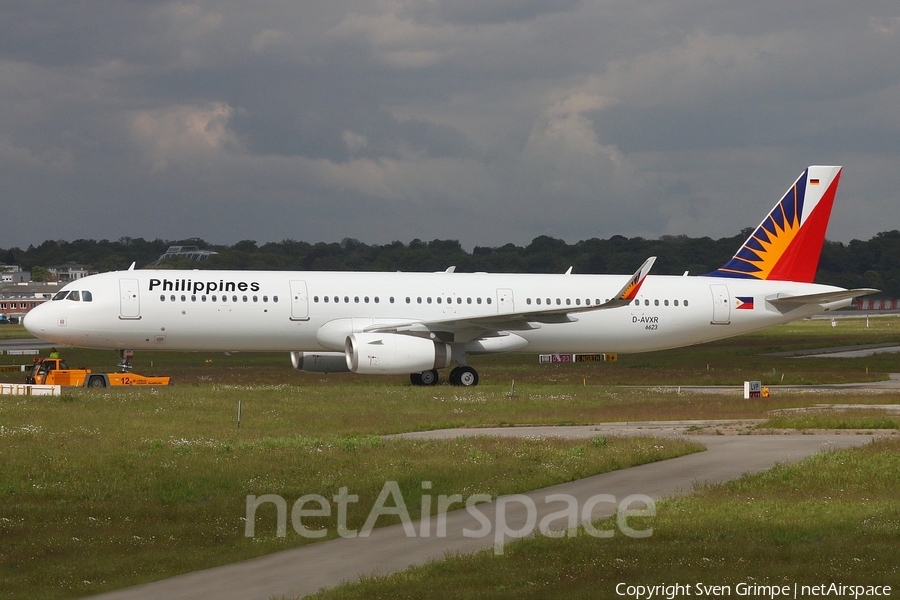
(787, 244)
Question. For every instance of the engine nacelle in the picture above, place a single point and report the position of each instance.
(394, 354)
(319, 362)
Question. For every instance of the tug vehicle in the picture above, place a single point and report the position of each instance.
(55, 371)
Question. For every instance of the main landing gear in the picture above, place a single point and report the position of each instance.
(463, 375)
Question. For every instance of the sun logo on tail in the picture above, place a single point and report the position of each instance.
(761, 252)
(787, 244)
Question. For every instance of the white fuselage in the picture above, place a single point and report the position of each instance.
(316, 311)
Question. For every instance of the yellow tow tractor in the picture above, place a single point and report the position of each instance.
(55, 371)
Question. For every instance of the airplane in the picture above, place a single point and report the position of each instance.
(418, 323)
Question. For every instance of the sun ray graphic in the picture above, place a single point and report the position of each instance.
(761, 252)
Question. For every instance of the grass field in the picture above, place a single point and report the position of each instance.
(14, 332)
(104, 488)
(726, 362)
(832, 518)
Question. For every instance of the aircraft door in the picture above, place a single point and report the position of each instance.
(129, 299)
(299, 301)
(504, 301)
(721, 304)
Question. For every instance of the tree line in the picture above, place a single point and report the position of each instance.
(859, 263)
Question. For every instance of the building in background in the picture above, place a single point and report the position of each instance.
(13, 274)
(878, 304)
(67, 272)
(16, 299)
(189, 252)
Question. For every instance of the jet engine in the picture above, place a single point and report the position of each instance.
(320, 362)
(393, 354)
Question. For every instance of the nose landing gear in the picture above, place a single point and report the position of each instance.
(125, 357)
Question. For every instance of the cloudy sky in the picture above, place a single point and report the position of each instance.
(486, 121)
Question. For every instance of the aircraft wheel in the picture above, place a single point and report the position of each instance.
(415, 379)
(430, 377)
(454, 376)
(467, 377)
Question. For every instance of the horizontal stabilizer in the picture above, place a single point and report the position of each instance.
(791, 302)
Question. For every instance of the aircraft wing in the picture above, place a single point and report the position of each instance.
(784, 303)
(519, 321)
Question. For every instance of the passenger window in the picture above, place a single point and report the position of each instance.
(193, 298)
(656, 303)
(213, 298)
(675, 302)
(376, 299)
(438, 299)
(478, 300)
(162, 297)
(685, 303)
(459, 300)
(256, 298)
(183, 298)
(538, 300)
(347, 299)
(666, 302)
(528, 301)
(203, 298)
(172, 297)
(274, 298)
(244, 298)
(488, 300)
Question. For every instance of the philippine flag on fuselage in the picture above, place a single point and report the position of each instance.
(744, 302)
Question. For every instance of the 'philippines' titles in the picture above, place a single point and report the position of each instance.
(205, 287)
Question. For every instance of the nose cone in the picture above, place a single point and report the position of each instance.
(37, 321)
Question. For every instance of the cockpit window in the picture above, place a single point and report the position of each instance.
(74, 295)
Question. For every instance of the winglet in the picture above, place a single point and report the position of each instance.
(630, 290)
(787, 244)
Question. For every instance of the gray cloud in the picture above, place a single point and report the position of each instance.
(484, 122)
